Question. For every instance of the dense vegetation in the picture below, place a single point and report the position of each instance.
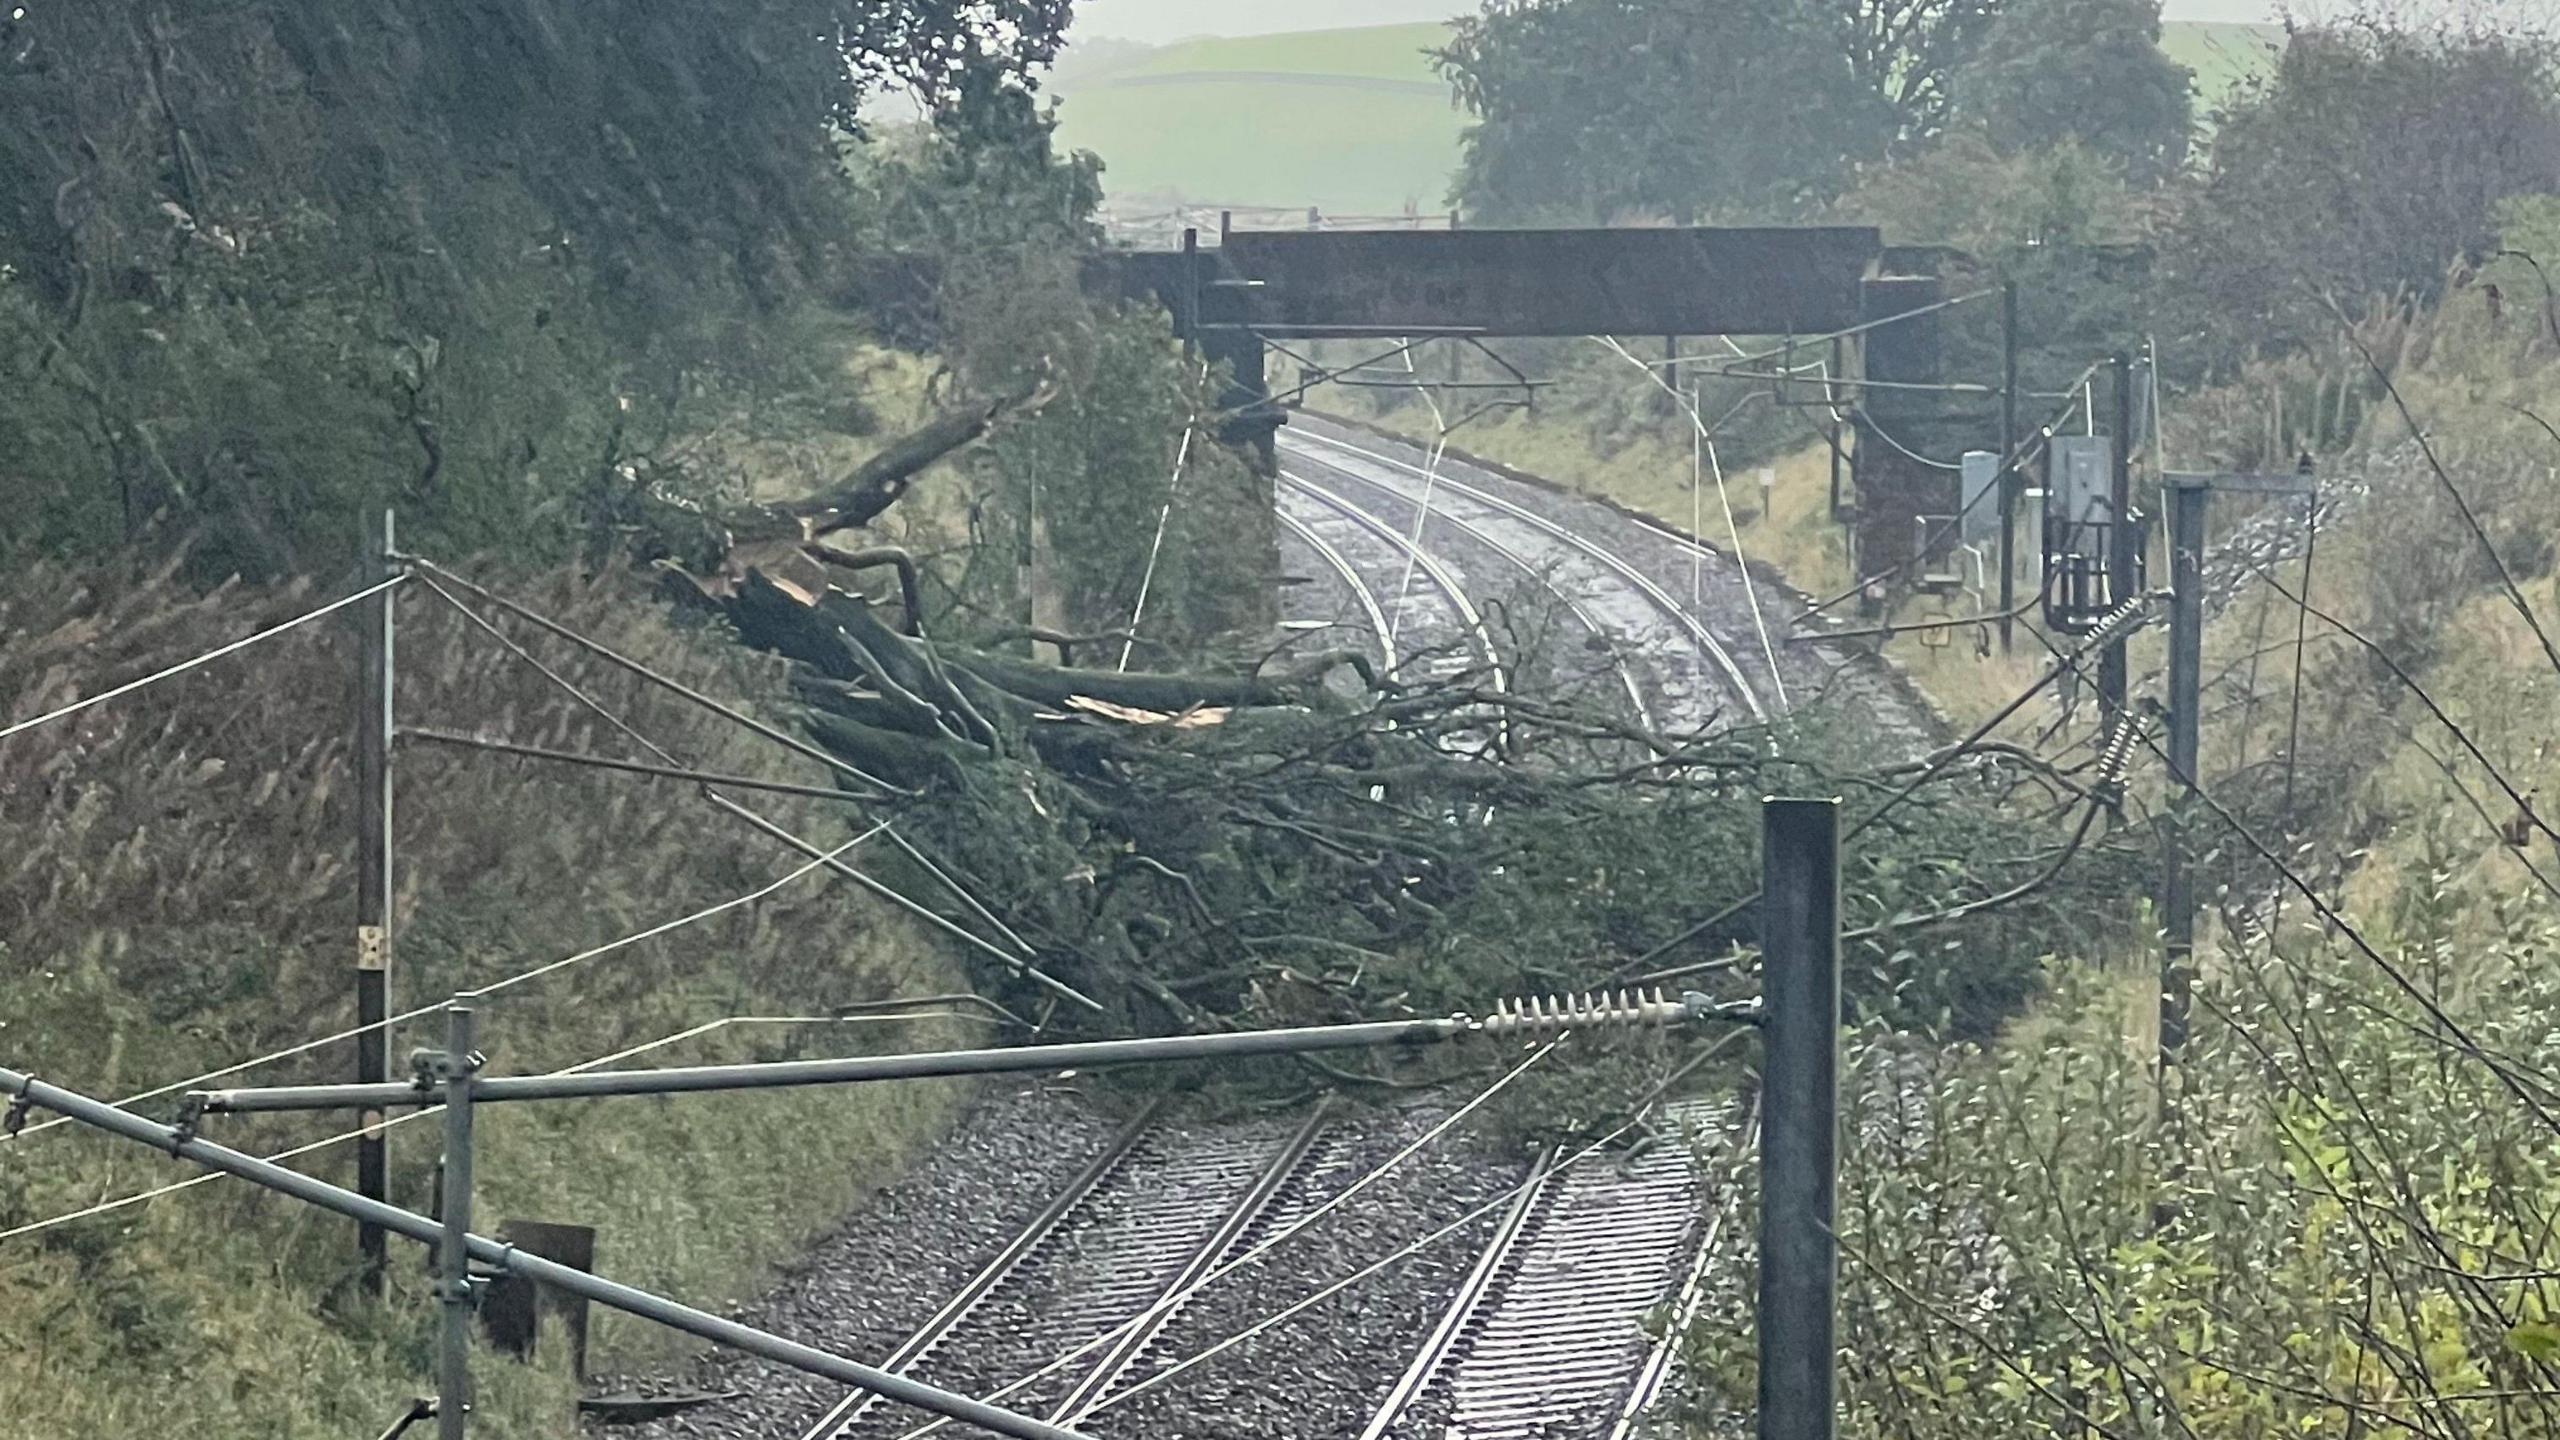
(2333, 1220)
(584, 292)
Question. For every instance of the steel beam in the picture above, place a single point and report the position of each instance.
(1089, 1055)
(1800, 1108)
(374, 720)
(1737, 281)
(170, 1140)
(453, 1246)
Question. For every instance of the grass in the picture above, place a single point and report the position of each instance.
(2222, 55)
(1269, 143)
(1355, 121)
(179, 900)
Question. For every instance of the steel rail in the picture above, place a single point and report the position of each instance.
(1341, 566)
(1684, 1310)
(1546, 581)
(1704, 638)
(1442, 578)
(1538, 1335)
(1471, 1296)
(955, 1312)
(1089, 1392)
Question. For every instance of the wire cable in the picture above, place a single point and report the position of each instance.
(1742, 561)
(1422, 513)
(1796, 343)
(508, 982)
(124, 1202)
(1020, 963)
(182, 667)
(1177, 1298)
(1164, 520)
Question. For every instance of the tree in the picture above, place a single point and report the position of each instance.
(267, 265)
(2367, 164)
(1683, 109)
(2090, 71)
(1908, 53)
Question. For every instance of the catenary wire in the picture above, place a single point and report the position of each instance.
(581, 957)
(1166, 1303)
(1698, 423)
(124, 1202)
(1164, 520)
(1019, 962)
(64, 712)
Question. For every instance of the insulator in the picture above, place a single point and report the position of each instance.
(2118, 623)
(1554, 1014)
(2118, 755)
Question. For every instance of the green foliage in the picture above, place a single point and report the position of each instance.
(2369, 164)
(1062, 506)
(2085, 71)
(2345, 1226)
(271, 267)
(1600, 110)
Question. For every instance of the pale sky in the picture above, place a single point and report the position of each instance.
(1157, 21)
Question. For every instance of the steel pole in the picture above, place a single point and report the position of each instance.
(1190, 326)
(1548, 1017)
(374, 719)
(1830, 398)
(2188, 502)
(2123, 539)
(1799, 1097)
(169, 1140)
(2009, 478)
(453, 1253)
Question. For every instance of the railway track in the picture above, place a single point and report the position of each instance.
(1093, 1272)
(1632, 612)
(1546, 1339)
(1623, 673)
(1449, 628)
(1330, 554)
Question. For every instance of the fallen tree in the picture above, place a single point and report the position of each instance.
(1311, 838)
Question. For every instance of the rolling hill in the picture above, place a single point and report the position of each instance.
(1350, 121)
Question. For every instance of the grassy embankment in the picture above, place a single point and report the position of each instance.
(181, 900)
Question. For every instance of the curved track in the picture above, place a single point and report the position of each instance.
(1449, 620)
(1527, 566)
(1673, 664)
(1354, 586)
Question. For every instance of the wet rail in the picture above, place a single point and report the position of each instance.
(1094, 1271)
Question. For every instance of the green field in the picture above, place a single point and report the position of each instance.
(1353, 121)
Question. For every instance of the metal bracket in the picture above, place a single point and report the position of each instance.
(2301, 482)
(430, 1069)
(373, 948)
(190, 1117)
(15, 1119)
